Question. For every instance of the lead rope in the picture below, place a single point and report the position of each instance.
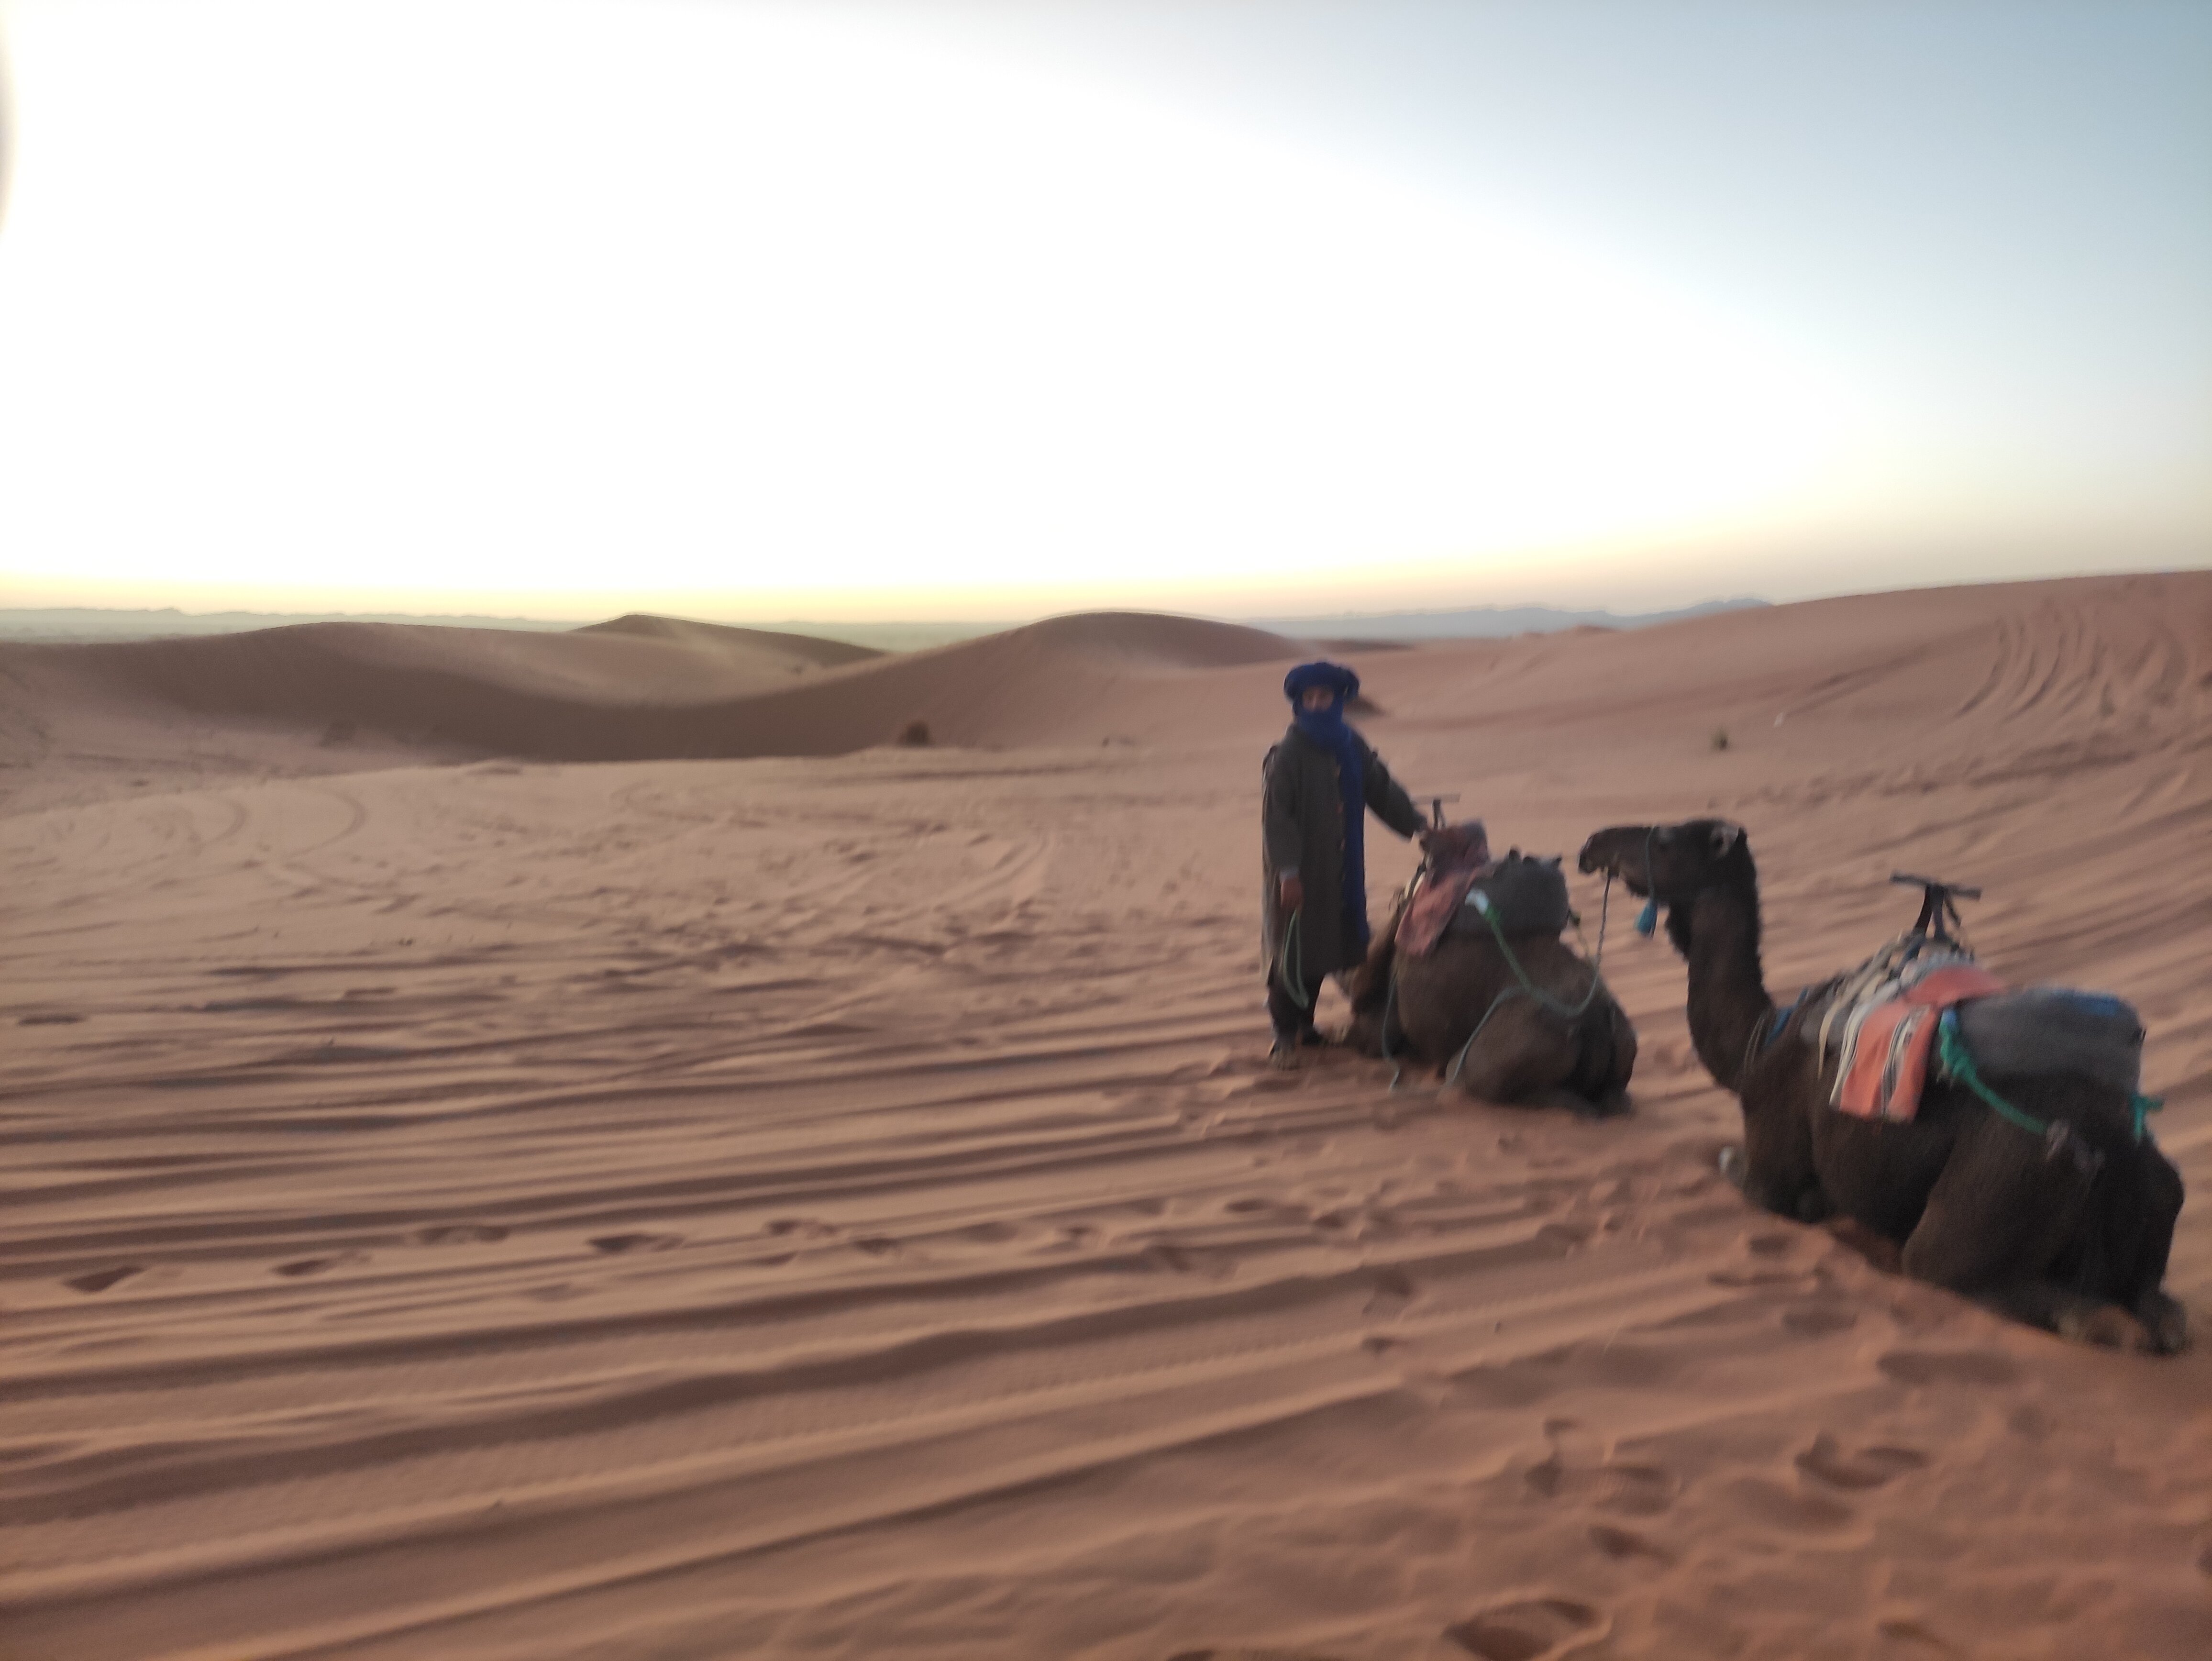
(1527, 988)
(1293, 984)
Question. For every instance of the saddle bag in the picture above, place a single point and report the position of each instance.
(2050, 1029)
(1528, 896)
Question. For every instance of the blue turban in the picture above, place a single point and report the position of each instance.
(1326, 728)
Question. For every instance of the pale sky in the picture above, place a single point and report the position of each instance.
(911, 310)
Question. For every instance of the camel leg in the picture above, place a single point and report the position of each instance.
(1997, 1221)
(1370, 985)
(1774, 1167)
(2145, 1210)
(1521, 1056)
(1611, 1095)
(2124, 1242)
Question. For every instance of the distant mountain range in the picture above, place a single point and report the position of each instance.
(85, 622)
(1478, 622)
(64, 624)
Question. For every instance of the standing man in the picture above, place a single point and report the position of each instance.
(1319, 783)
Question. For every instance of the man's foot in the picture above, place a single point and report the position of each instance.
(1283, 1058)
(1313, 1038)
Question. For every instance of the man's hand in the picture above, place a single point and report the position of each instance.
(1292, 891)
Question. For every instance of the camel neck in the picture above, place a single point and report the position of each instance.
(1728, 986)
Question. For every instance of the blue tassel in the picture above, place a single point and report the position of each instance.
(1647, 919)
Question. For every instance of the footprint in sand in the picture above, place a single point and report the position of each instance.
(100, 1279)
(1627, 1490)
(1916, 1639)
(457, 1234)
(1818, 1320)
(1778, 1507)
(1870, 1467)
(1394, 1290)
(1534, 1629)
(1967, 1366)
(1622, 1544)
(48, 1020)
(1179, 1260)
(613, 1244)
(806, 1228)
(304, 1266)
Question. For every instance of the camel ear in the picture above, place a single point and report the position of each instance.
(1725, 837)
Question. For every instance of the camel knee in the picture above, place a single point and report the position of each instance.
(2165, 1320)
(1364, 1034)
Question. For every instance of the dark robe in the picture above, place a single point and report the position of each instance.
(1302, 824)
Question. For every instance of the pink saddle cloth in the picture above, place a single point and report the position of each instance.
(1459, 857)
(1886, 1043)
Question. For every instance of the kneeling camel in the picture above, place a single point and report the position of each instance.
(2067, 1230)
(1522, 1021)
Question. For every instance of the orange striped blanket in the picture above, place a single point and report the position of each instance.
(1882, 1022)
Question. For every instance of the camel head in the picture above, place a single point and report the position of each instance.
(1671, 865)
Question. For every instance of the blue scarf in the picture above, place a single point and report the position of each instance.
(1326, 728)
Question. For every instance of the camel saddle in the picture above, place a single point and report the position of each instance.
(1881, 1023)
(1522, 895)
(1458, 854)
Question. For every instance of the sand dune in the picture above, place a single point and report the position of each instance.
(635, 689)
(833, 1204)
(760, 645)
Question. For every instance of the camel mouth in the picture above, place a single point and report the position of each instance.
(1610, 851)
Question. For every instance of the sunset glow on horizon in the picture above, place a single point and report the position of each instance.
(762, 312)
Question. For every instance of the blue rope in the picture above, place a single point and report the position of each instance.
(1647, 919)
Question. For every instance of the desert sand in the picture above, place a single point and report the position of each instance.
(571, 1146)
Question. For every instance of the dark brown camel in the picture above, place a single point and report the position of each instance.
(1529, 1051)
(2068, 1232)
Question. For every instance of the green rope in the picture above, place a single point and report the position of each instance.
(1451, 1076)
(1958, 1066)
(1527, 988)
(1293, 984)
(1480, 901)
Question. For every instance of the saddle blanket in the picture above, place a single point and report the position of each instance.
(1879, 1027)
(1458, 854)
(1881, 1023)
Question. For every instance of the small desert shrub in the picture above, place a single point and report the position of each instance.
(1720, 738)
(915, 735)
